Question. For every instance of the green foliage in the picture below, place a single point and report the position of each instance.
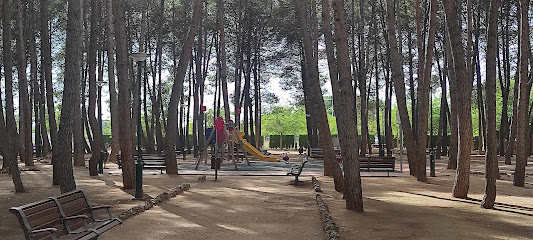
(289, 121)
(288, 141)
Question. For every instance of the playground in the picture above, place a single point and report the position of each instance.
(258, 202)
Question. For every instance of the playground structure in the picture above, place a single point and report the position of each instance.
(252, 150)
(228, 145)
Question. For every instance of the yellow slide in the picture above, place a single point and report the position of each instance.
(253, 151)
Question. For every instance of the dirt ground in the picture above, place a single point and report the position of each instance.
(267, 207)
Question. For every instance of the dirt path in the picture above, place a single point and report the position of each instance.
(231, 208)
(402, 208)
(261, 207)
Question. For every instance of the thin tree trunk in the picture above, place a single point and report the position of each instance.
(35, 83)
(504, 80)
(223, 61)
(454, 125)
(482, 123)
(423, 94)
(113, 102)
(26, 151)
(91, 59)
(46, 67)
(9, 132)
(522, 151)
(490, 87)
(399, 86)
(443, 129)
(185, 57)
(362, 82)
(512, 135)
(312, 73)
(376, 51)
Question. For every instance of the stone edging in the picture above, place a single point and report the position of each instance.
(330, 228)
(150, 203)
(316, 186)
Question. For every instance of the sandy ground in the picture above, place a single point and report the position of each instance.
(267, 207)
(402, 208)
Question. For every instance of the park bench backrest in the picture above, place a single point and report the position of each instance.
(75, 203)
(40, 215)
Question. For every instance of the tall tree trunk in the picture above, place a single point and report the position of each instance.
(10, 131)
(312, 74)
(91, 59)
(460, 189)
(124, 98)
(177, 89)
(399, 86)
(353, 191)
(35, 83)
(505, 79)
(73, 56)
(454, 125)
(362, 81)
(522, 151)
(257, 95)
(512, 135)
(223, 59)
(26, 151)
(113, 102)
(424, 94)
(376, 62)
(42, 116)
(476, 61)
(490, 88)
(46, 67)
(443, 128)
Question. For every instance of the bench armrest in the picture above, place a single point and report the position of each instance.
(75, 217)
(106, 207)
(82, 217)
(50, 231)
(100, 207)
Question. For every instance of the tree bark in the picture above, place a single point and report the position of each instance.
(9, 132)
(223, 58)
(512, 135)
(26, 150)
(505, 80)
(522, 151)
(353, 191)
(376, 62)
(91, 58)
(460, 189)
(454, 128)
(71, 83)
(113, 102)
(314, 86)
(362, 82)
(490, 88)
(35, 83)
(124, 97)
(46, 67)
(177, 89)
(424, 94)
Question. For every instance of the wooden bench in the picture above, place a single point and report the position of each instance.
(318, 153)
(376, 164)
(296, 170)
(68, 216)
(150, 161)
